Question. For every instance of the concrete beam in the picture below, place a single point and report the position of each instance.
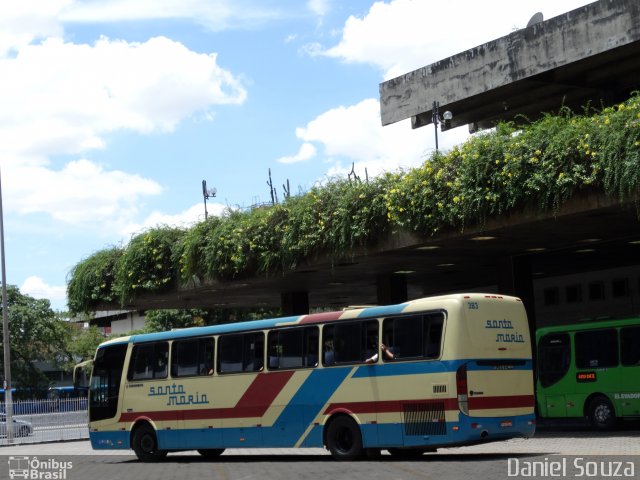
(567, 59)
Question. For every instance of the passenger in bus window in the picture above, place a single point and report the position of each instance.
(371, 352)
(389, 352)
(329, 353)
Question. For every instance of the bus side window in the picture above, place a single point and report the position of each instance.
(596, 348)
(413, 337)
(192, 357)
(149, 361)
(630, 346)
(241, 352)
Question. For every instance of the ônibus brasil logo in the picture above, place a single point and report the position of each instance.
(33, 468)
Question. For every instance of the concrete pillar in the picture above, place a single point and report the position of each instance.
(392, 289)
(294, 303)
(515, 277)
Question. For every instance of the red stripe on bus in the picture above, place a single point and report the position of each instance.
(511, 401)
(254, 403)
(321, 317)
(388, 406)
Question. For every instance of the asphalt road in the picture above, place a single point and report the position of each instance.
(601, 453)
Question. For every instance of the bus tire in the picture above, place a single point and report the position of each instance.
(601, 414)
(211, 453)
(145, 444)
(344, 439)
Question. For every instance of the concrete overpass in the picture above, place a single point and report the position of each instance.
(592, 53)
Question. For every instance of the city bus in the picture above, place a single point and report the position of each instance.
(590, 370)
(409, 378)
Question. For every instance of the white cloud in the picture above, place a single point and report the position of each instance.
(307, 152)
(63, 98)
(187, 218)
(36, 287)
(22, 22)
(91, 90)
(319, 7)
(215, 15)
(80, 193)
(403, 35)
(354, 134)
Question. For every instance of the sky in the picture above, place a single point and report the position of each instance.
(112, 112)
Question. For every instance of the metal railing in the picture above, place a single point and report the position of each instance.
(37, 421)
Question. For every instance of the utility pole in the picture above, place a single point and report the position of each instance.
(5, 333)
(206, 194)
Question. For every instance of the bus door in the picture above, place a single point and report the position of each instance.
(554, 360)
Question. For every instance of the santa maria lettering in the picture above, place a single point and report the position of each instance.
(176, 395)
(499, 324)
(504, 337)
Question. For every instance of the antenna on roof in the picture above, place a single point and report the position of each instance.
(537, 18)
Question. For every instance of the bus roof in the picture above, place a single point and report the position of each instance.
(589, 325)
(313, 318)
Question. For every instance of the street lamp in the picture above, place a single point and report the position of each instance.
(206, 194)
(445, 122)
(5, 333)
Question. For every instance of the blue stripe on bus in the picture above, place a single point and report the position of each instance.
(436, 366)
(308, 401)
(213, 330)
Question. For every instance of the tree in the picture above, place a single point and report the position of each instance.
(37, 334)
(162, 320)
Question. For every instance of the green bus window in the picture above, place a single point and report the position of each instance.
(630, 346)
(596, 348)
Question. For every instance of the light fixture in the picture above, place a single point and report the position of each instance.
(429, 247)
(586, 250)
(444, 265)
(535, 249)
(590, 240)
(446, 121)
(483, 238)
(634, 242)
(404, 272)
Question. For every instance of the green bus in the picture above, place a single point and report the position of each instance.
(589, 370)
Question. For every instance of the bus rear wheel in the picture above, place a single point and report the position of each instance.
(145, 444)
(211, 453)
(601, 413)
(344, 439)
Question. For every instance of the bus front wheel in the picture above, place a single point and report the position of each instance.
(344, 439)
(145, 444)
(601, 413)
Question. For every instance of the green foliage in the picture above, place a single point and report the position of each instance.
(91, 281)
(538, 167)
(163, 320)
(80, 344)
(36, 335)
(148, 264)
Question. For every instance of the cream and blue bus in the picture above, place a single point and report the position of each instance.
(409, 378)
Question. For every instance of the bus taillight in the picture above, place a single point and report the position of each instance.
(461, 386)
